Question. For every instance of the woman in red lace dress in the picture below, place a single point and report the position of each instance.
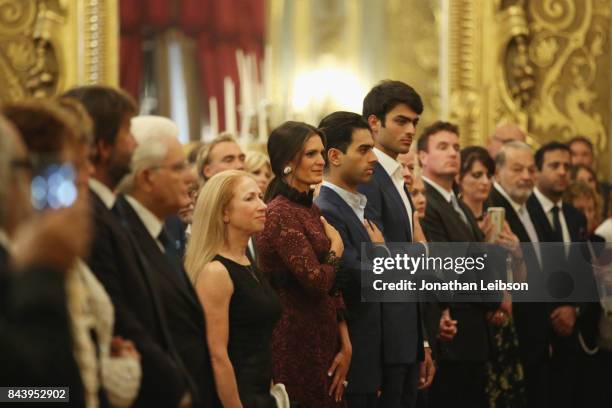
(299, 252)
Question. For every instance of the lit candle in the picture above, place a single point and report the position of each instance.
(230, 105)
(213, 111)
(262, 117)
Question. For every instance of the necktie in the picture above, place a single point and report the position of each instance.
(172, 255)
(458, 209)
(557, 231)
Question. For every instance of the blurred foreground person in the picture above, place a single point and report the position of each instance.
(59, 147)
(36, 252)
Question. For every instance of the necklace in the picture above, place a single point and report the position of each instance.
(250, 269)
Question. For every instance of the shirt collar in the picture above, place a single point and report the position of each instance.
(446, 194)
(357, 200)
(517, 207)
(150, 221)
(103, 192)
(387, 162)
(547, 204)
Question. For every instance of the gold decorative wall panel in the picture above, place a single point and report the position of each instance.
(544, 64)
(47, 46)
(412, 50)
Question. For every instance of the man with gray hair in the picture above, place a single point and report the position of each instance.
(115, 258)
(514, 180)
(36, 342)
(222, 153)
(157, 188)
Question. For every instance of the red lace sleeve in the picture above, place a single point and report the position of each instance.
(298, 255)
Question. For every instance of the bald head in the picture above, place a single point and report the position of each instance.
(504, 133)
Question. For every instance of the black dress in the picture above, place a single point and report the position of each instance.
(253, 312)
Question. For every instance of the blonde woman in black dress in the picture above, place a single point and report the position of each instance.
(240, 306)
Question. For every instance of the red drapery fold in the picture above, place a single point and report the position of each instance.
(220, 28)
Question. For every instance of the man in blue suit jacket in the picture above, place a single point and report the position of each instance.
(392, 110)
(350, 162)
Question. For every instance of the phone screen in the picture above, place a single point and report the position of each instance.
(53, 186)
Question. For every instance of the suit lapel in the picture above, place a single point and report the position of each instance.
(388, 189)
(539, 219)
(333, 197)
(451, 219)
(114, 221)
(155, 257)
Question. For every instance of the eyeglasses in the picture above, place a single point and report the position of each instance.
(176, 167)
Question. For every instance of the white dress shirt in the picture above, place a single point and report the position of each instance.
(394, 170)
(153, 225)
(356, 201)
(605, 230)
(104, 193)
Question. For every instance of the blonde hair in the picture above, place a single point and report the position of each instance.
(208, 231)
(254, 161)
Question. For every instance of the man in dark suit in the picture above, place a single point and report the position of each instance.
(556, 221)
(157, 187)
(392, 110)
(514, 175)
(461, 369)
(116, 260)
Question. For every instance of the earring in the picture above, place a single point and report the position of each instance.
(287, 170)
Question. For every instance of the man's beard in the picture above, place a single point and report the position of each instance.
(118, 168)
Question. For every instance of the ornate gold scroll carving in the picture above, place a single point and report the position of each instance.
(47, 46)
(544, 64)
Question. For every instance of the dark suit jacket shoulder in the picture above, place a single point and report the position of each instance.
(116, 262)
(403, 332)
(35, 340)
(443, 224)
(182, 307)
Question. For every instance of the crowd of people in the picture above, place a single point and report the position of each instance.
(140, 272)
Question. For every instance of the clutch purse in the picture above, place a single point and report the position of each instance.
(279, 393)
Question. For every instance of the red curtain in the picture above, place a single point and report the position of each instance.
(220, 27)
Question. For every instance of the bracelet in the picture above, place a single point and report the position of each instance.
(332, 259)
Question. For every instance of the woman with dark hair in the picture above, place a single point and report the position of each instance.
(299, 251)
(475, 178)
(505, 379)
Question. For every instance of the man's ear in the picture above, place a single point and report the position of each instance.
(374, 123)
(103, 150)
(143, 180)
(422, 155)
(334, 156)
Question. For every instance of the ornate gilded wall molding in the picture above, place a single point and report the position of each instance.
(544, 64)
(47, 46)
(569, 48)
